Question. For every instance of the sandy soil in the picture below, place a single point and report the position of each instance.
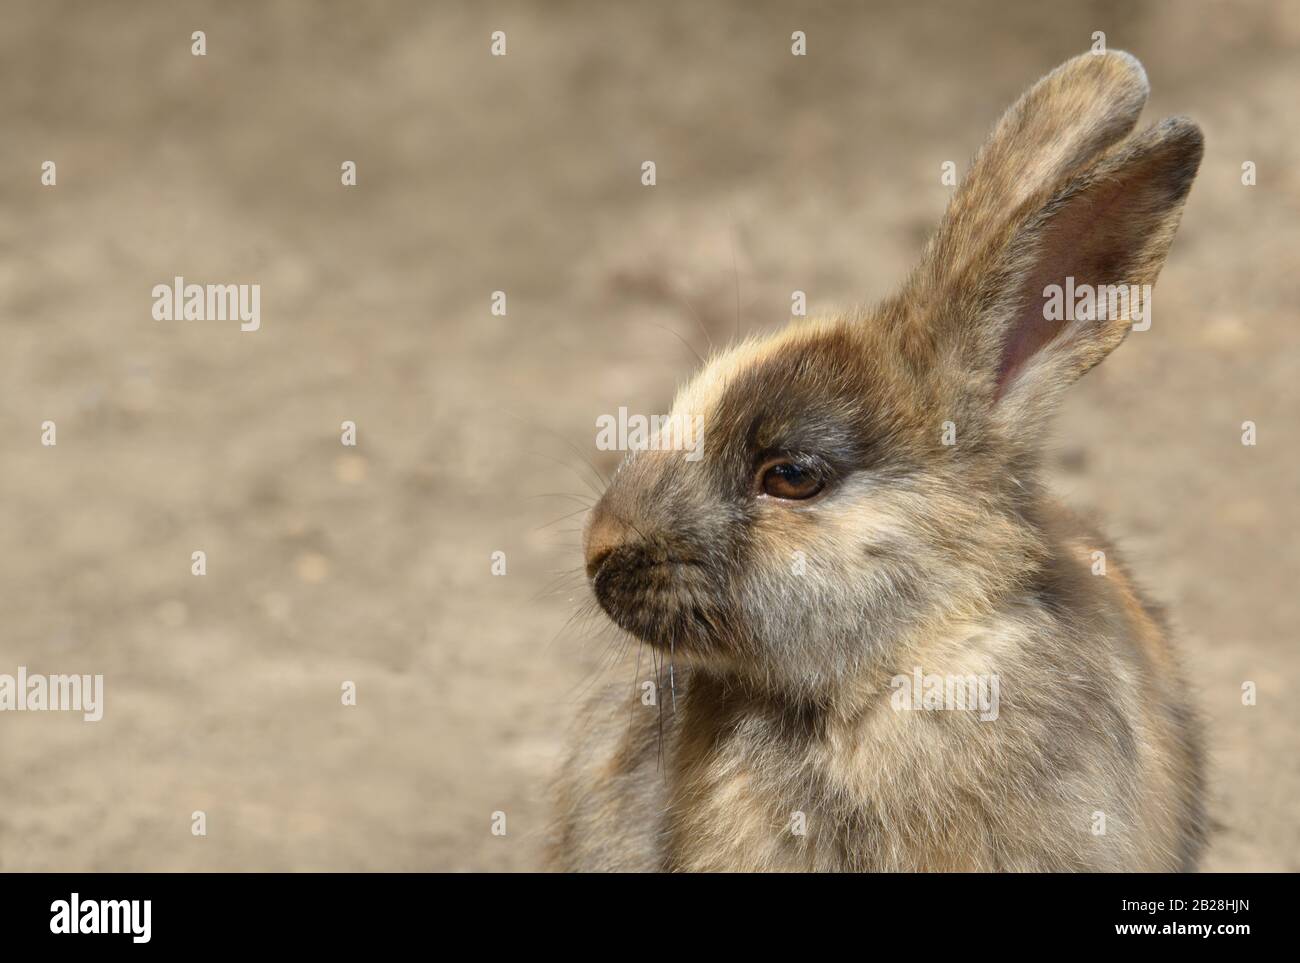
(521, 174)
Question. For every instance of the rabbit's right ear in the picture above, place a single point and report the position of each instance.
(1060, 198)
(1058, 127)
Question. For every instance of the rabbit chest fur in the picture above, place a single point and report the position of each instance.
(1094, 763)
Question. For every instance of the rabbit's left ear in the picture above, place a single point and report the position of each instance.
(1042, 297)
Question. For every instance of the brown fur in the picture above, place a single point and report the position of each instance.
(950, 558)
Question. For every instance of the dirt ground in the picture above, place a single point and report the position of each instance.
(522, 173)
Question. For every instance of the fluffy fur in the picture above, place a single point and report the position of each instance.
(786, 620)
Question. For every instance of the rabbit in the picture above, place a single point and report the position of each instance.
(867, 508)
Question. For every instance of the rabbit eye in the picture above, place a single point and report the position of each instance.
(790, 481)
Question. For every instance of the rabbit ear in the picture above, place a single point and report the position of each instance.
(1010, 307)
(1077, 275)
(1057, 127)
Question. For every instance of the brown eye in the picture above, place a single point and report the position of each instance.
(790, 481)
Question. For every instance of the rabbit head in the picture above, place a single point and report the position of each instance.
(868, 476)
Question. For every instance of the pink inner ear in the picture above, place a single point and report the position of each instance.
(1077, 243)
(1029, 335)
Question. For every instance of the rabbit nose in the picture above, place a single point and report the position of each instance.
(605, 533)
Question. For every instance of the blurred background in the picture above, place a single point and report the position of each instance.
(522, 174)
